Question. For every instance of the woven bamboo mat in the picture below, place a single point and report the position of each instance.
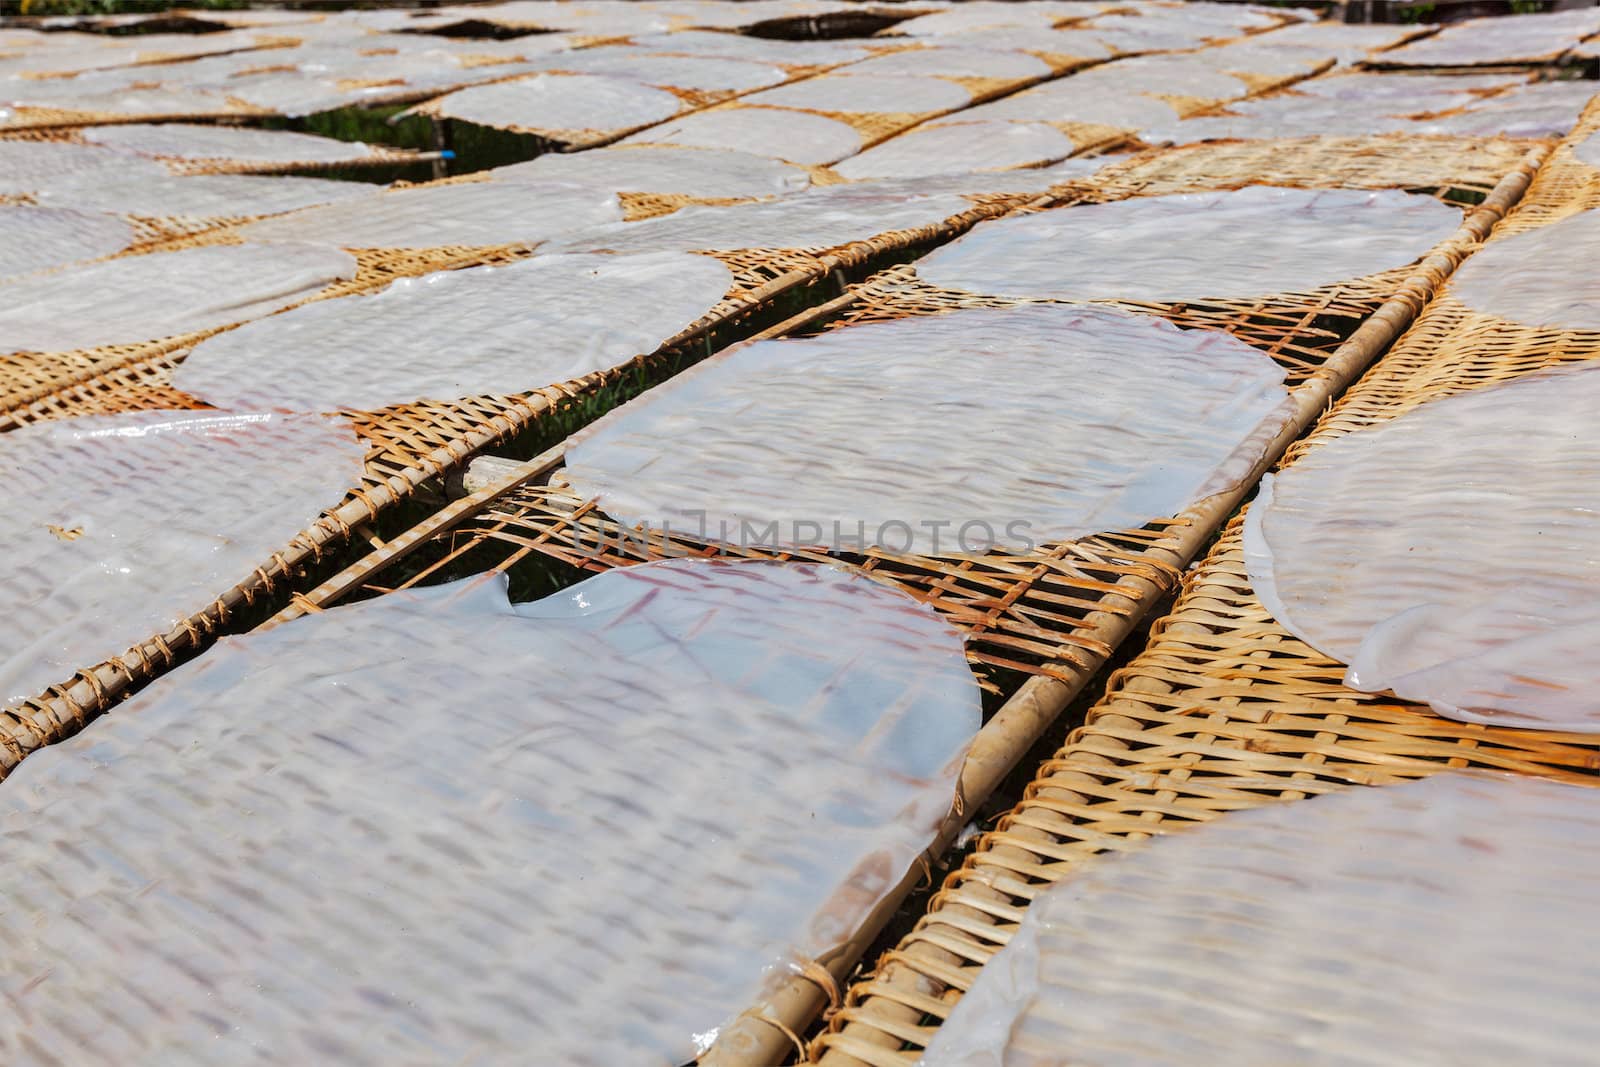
(1039, 625)
(1224, 710)
(409, 445)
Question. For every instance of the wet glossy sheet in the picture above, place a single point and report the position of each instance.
(1534, 278)
(436, 827)
(37, 238)
(187, 141)
(818, 218)
(474, 332)
(563, 102)
(915, 435)
(1462, 538)
(441, 216)
(1254, 241)
(1440, 921)
(119, 527)
(142, 298)
(702, 172)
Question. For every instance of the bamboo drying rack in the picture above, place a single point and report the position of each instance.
(1224, 710)
(408, 445)
(1053, 617)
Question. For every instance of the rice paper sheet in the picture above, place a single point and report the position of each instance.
(474, 332)
(795, 136)
(38, 238)
(894, 435)
(442, 216)
(1253, 241)
(1543, 109)
(1530, 277)
(29, 167)
(188, 141)
(956, 63)
(504, 828)
(164, 294)
(702, 73)
(563, 102)
(701, 172)
(1465, 535)
(200, 196)
(1588, 150)
(119, 527)
(1439, 921)
(865, 94)
(816, 219)
(1521, 39)
(955, 149)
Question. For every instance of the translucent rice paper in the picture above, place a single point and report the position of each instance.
(978, 15)
(1588, 150)
(186, 141)
(959, 148)
(436, 827)
(36, 238)
(1448, 920)
(703, 172)
(200, 196)
(1465, 535)
(481, 331)
(1530, 277)
(1282, 116)
(1408, 94)
(955, 63)
(895, 435)
(438, 216)
(1524, 38)
(819, 218)
(704, 73)
(978, 183)
(119, 527)
(1348, 42)
(164, 294)
(1253, 241)
(1543, 109)
(562, 102)
(26, 167)
(1069, 43)
(865, 94)
(796, 136)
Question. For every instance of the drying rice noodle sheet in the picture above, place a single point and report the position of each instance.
(816, 219)
(756, 49)
(865, 94)
(485, 848)
(119, 527)
(793, 136)
(1410, 94)
(562, 102)
(1349, 43)
(38, 238)
(1588, 150)
(200, 196)
(955, 63)
(440, 216)
(1519, 39)
(1079, 44)
(1543, 109)
(1254, 241)
(1535, 277)
(164, 294)
(705, 73)
(987, 182)
(1280, 116)
(959, 148)
(1065, 102)
(892, 435)
(1165, 76)
(186, 141)
(701, 172)
(1447, 920)
(481, 331)
(1464, 535)
(1263, 58)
